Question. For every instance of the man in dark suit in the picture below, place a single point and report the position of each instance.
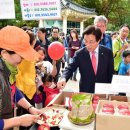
(95, 62)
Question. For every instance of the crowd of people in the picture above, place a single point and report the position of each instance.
(28, 76)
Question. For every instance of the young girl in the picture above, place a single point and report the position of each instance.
(14, 44)
(48, 89)
(45, 65)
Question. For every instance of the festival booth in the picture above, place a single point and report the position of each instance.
(62, 103)
(103, 110)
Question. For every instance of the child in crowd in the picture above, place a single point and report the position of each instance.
(45, 71)
(44, 66)
(47, 89)
(114, 35)
(124, 67)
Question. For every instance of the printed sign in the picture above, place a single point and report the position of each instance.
(7, 9)
(40, 9)
(104, 88)
(121, 83)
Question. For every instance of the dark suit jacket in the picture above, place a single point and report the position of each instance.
(88, 79)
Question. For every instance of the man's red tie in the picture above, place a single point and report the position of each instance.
(94, 62)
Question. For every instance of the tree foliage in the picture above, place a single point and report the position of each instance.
(117, 11)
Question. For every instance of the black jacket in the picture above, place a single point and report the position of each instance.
(88, 78)
(5, 92)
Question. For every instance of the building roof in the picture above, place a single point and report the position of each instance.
(68, 4)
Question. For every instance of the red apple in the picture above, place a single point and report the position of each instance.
(108, 105)
(124, 112)
(108, 110)
(128, 113)
(43, 127)
(95, 99)
(94, 106)
(122, 106)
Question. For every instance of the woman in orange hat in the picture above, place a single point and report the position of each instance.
(14, 44)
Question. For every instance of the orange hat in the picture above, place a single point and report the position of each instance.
(15, 39)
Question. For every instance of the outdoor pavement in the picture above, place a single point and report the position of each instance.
(73, 85)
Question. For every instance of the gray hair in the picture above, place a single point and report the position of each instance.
(100, 18)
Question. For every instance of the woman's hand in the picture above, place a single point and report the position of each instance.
(54, 62)
(75, 48)
(28, 119)
(24, 120)
(125, 46)
(39, 64)
(35, 111)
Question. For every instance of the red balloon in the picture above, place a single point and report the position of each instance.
(49, 99)
(56, 50)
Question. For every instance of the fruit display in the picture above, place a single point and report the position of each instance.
(82, 112)
(113, 115)
(108, 109)
(52, 116)
(123, 110)
(96, 98)
(118, 110)
(122, 106)
(95, 101)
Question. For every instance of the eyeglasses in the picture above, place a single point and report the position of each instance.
(55, 32)
(90, 42)
(102, 26)
(125, 31)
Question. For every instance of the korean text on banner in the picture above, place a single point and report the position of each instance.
(41, 9)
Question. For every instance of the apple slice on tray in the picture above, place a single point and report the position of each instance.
(52, 116)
